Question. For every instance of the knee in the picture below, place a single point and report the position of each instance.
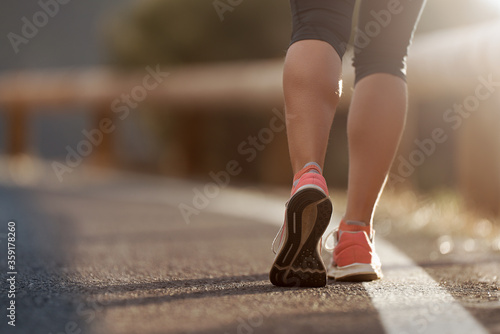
(313, 75)
(320, 89)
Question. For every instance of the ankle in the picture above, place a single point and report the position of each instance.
(356, 220)
(310, 167)
(356, 225)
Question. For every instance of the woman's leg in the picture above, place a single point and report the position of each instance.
(375, 123)
(379, 103)
(321, 31)
(311, 89)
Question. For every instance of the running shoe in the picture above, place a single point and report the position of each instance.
(354, 257)
(298, 262)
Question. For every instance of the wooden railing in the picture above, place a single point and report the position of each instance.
(446, 63)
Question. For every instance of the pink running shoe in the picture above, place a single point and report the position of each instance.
(308, 211)
(354, 257)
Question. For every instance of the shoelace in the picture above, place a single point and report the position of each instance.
(333, 234)
(280, 232)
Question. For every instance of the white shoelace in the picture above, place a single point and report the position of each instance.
(334, 235)
(280, 233)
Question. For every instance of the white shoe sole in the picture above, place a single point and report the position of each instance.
(356, 272)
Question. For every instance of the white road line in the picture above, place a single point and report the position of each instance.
(410, 301)
(407, 298)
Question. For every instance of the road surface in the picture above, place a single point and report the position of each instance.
(113, 254)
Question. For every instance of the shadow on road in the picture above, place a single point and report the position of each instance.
(44, 304)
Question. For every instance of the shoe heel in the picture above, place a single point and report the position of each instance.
(298, 263)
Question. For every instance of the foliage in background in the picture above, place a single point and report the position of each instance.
(191, 31)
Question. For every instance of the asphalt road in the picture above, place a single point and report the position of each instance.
(112, 254)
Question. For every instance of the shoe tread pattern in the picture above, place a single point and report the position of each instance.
(303, 267)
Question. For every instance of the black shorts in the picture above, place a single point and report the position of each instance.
(381, 37)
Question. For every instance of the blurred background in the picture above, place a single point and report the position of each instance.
(224, 64)
(114, 114)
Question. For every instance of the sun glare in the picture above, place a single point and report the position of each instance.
(495, 3)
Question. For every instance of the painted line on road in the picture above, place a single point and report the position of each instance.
(410, 301)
